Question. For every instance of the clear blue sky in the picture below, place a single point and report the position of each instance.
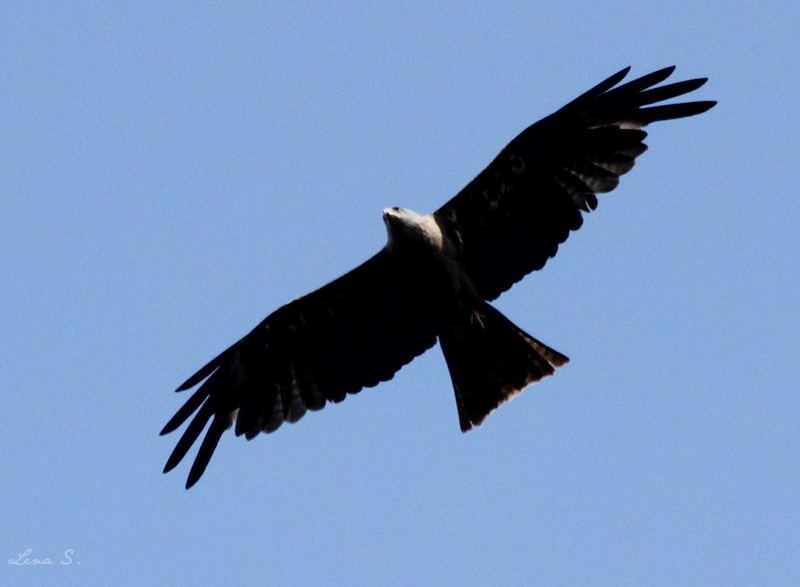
(170, 174)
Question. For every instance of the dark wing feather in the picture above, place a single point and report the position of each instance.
(353, 333)
(511, 218)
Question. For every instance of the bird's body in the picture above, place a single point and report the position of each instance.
(409, 233)
(433, 281)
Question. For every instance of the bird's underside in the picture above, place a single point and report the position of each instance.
(433, 280)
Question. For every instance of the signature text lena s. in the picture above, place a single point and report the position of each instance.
(24, 559)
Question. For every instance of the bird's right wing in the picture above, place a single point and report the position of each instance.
(352, 333)
(511, 218)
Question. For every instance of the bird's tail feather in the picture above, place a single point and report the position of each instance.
(490, 361)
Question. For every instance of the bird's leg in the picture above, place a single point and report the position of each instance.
(475, 316)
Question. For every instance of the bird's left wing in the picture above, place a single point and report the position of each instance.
(511, 218)
(352, 333)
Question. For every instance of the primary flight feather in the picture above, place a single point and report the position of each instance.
(433, 279)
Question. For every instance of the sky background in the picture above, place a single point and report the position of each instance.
(172, 172)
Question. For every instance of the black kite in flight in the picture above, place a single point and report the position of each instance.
(433, 279)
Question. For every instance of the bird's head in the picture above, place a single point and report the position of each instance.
(401, 223)
(405, 227)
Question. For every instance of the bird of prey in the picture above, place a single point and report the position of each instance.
(434, 279)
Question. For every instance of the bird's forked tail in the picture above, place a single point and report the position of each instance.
(490, 361)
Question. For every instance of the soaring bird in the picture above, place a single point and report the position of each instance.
(434, 279)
